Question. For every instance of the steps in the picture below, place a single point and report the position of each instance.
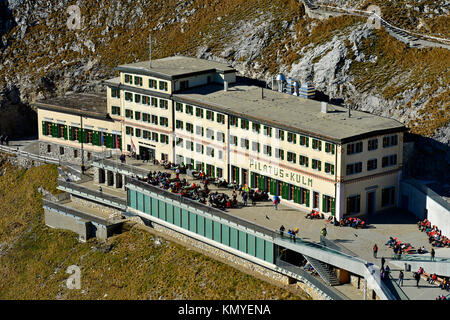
(324, 271)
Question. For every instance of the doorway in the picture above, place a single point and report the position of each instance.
(370, 202)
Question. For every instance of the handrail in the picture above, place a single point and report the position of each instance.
(89, 192)
(369, 13)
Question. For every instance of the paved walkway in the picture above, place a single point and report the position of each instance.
(395, 223)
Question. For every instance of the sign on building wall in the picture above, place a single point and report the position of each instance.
(282, 174)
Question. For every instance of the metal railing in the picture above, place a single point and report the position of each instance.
(63, 209)
(314, 6)
(28, 155)
(98, 196)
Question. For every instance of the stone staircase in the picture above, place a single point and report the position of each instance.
(324, 270)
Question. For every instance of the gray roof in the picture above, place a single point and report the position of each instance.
(89, 104)
(290, 112)
(175, 67)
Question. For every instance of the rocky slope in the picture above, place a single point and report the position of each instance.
(43, 54)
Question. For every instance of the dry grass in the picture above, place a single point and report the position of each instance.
(128, 266)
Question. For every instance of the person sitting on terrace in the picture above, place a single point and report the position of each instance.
(422, 250)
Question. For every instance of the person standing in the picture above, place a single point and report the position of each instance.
(276, 201)
(244, 198)
(382, 261)
(324, 231)
(400, 278)
(432, 254)
(417, 277)
(375, 250)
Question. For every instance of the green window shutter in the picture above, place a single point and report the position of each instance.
(44, 128)
(332, 148)
(324, 203)
(307, 198)
(307, 142)
(65, 133)
(71, 133)
(333, 206)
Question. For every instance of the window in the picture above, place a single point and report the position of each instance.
(267, 150)
(210, 134)
(291, 157)
(138, 81)
(189, 109)
(145, 117)
(199, 130)
(329, 148)
(199, 112)
(390, 141)
(304, 141)
(316, 164)
(189, 127)
(255, 146)
(210, 151)
(146, 100)
(164, 138)
(233, 121)
(356, 147)
(164, 104)
(179, 107)
(291, 137)
(209, 115)
(245, 143)
(138, 133)
(267, 131)
(317, 144)
(256, 127)
(184, 84)
(154, 102)
(155, 136)
(371, 164)
(387, 196)
(354, 168)
(388, 161)
(128, 78)
(199, 148)
(280, 134)
(75, 153)
(115, 110)
(128, 96)
(220, 118)
(61, 150)
(234, 140)
(115, 93)
(304, 161)
(329, 168)
(372, 144)
(137, 115)
(220, 136)
(129, 131)
(245, 124)
(354, 204)
(279, 154)
(179, 124)
(128, 113)
(328, 204)
(163, 86)
(164, 121)
(145, 134)
(49, 148)
(179, 142)
(152, 84)
(154, 119)
(189, 145)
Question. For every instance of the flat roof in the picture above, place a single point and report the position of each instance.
(90, 104)
(175, 67)
(290, 112)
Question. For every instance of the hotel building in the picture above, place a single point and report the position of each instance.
(185, 110)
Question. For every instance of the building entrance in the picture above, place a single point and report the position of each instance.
(146, 153)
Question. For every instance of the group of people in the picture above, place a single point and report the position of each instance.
(291, 233)
(352, 222)
(4, 139)
(399, 247)
(314, 215)
(435, 237)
